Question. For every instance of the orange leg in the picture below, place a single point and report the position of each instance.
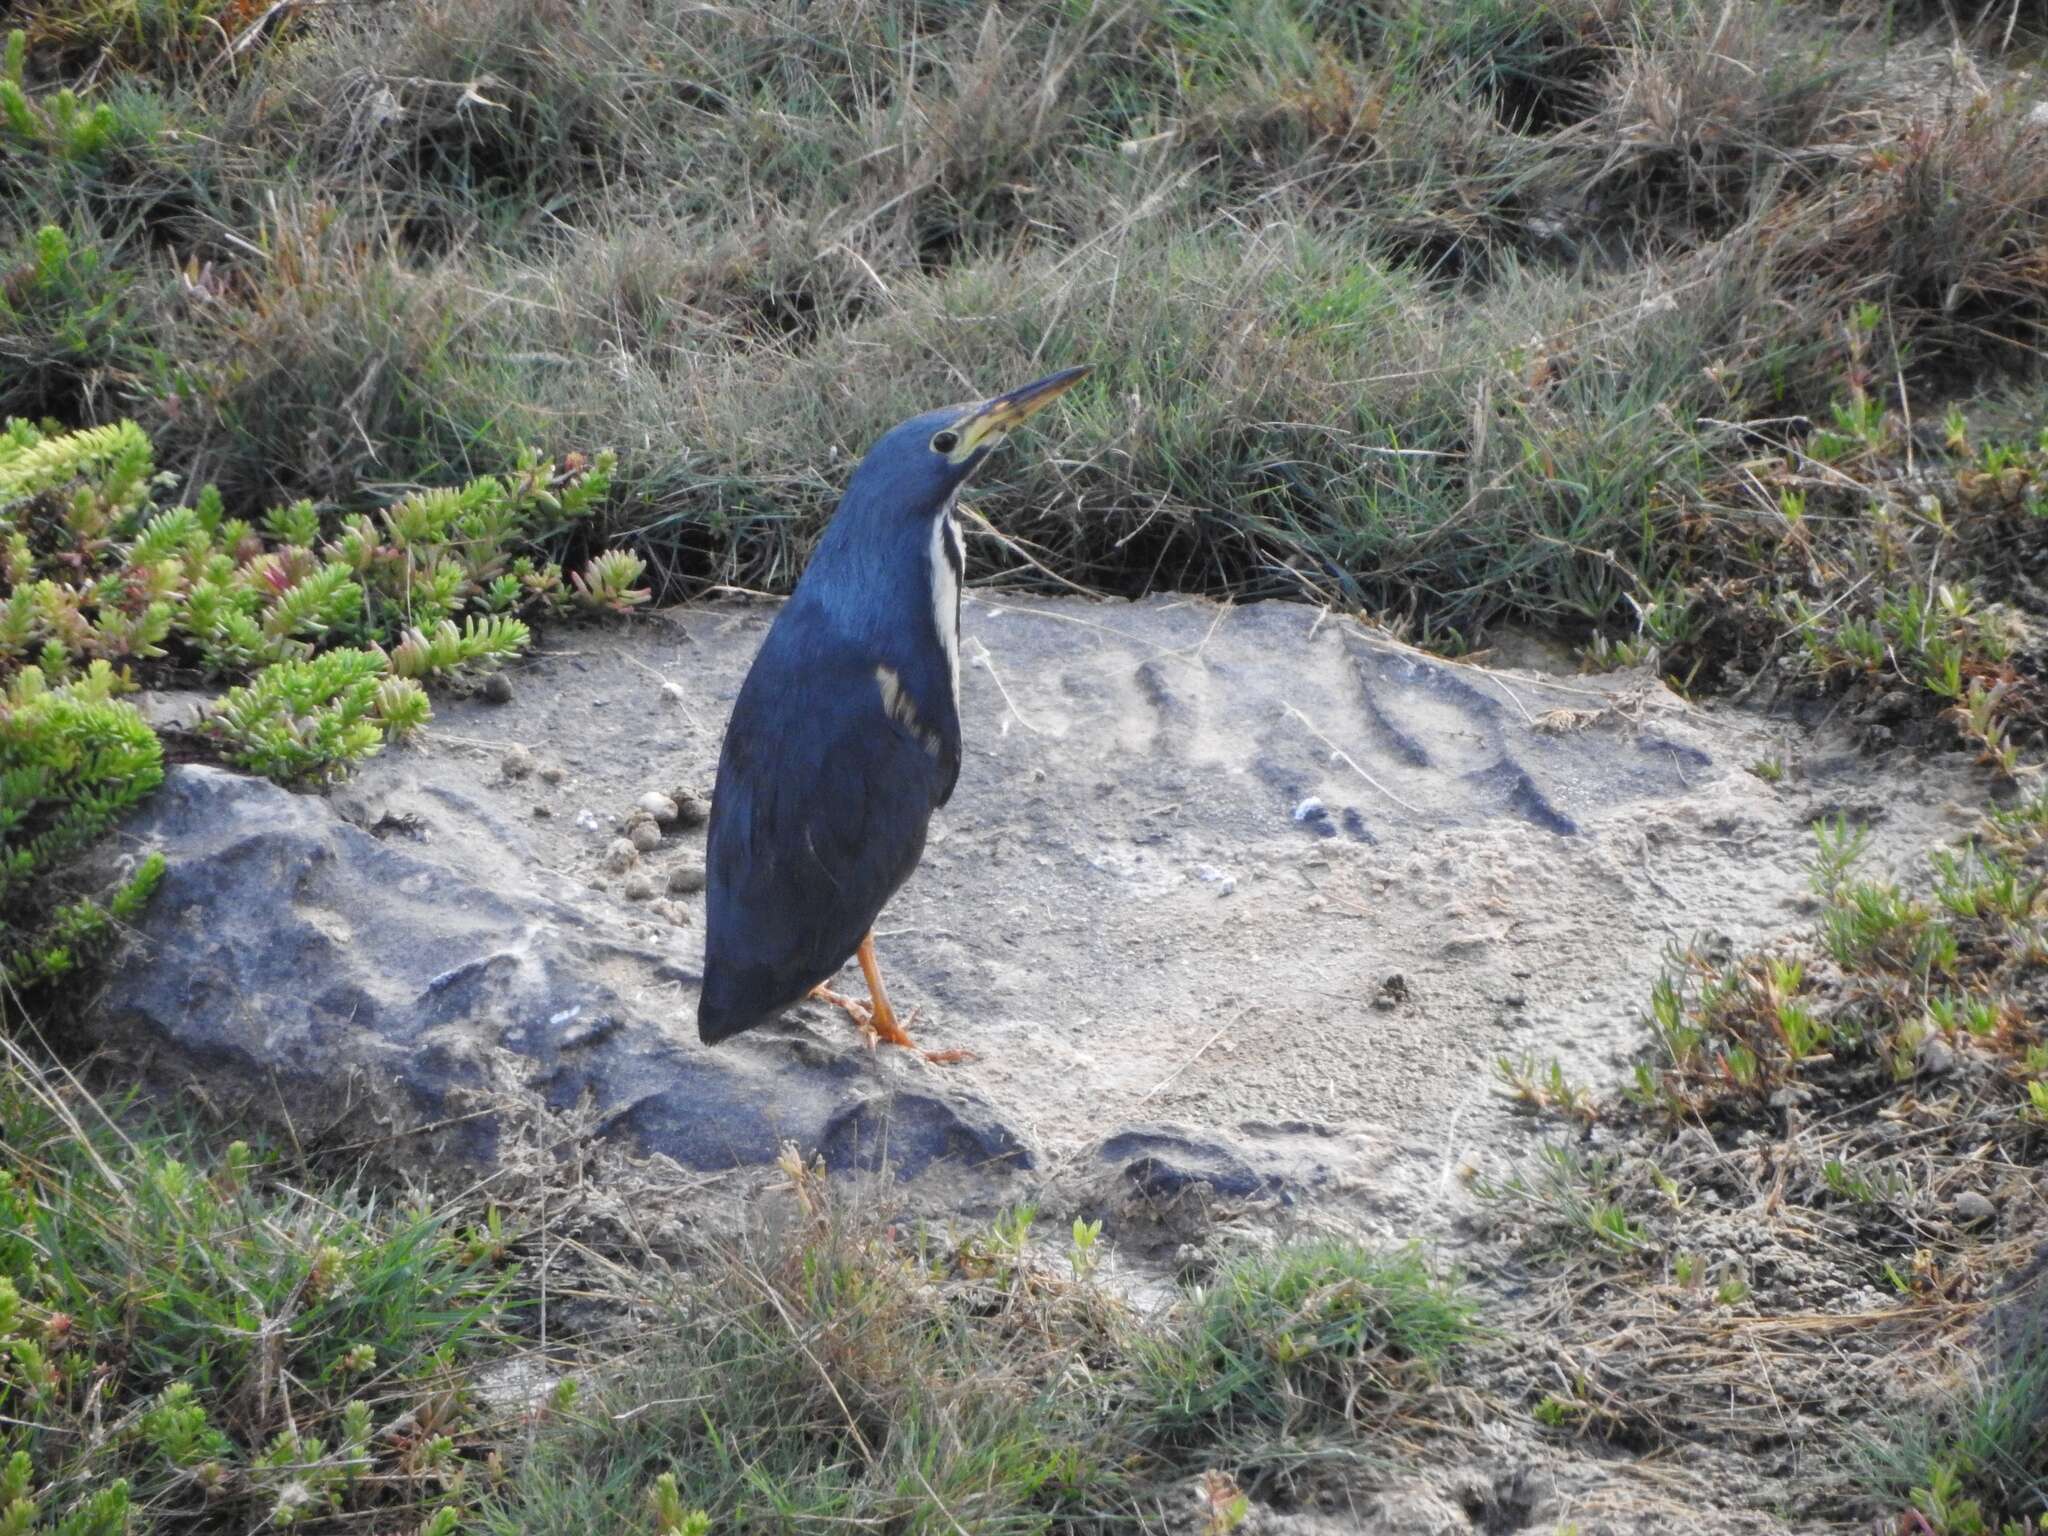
(875, 1018)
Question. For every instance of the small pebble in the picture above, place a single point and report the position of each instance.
(691, 810)
(517, 762)
(554, 773)
(1971, 1208)
(1935, 1056)
(497, 689)
(658, 805)
(672, 694)
(639, 887)
(620, 856)
(543, 811)
(645, 836)
(685, 878)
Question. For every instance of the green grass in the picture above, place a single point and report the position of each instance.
(1977, 1460)
(1452, 312)
(1313, 1338)
(837, 1374)
(218, 1340)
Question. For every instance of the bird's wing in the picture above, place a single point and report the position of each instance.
(825, 786)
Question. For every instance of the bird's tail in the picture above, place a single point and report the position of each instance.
(727, 1007)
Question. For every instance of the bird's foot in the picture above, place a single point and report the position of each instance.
(885, 1028)
(877, 1024)
(862, 1015)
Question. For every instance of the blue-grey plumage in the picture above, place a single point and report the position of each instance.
(846, 733)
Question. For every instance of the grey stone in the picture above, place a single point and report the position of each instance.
(497, 689)
(1972, 1207)
(1163, 1160)
(644, 836)
(1058, 925)
(345, 980)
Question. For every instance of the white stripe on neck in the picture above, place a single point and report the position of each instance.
(946, 592)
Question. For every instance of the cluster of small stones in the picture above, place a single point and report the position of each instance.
(652, 819)
(641, 831)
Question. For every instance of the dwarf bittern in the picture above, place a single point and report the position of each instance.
(846, 734)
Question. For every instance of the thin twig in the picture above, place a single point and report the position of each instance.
(1349, 761)
(1176, 1072)
(987, 662)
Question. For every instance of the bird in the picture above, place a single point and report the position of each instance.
(845, 736)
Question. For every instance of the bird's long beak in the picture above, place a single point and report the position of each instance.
(987, 424)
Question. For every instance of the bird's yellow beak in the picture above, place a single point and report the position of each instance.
(989, 423)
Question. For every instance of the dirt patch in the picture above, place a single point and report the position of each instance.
(1256, 871)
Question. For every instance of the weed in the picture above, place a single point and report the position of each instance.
(1304, 1339)
(67, 325)
(73, 760)
(1575, 1201)
(101, 577)
(1554, 1412)
(1083, 1257)
(1545, 1088)
(301, 1370)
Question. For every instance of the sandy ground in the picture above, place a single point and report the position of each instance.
(1257, 872)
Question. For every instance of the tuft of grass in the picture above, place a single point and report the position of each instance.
(845, 1369)
(1977, 1460)
(199, 1336)
(1289, 1345)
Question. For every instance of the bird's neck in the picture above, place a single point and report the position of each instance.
(889, 583)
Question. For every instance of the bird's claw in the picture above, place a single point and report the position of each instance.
(876, 1031)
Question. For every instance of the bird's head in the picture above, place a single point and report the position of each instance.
(916, 467)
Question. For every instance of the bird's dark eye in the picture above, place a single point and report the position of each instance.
(945, 442)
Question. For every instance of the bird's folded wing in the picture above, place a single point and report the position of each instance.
(823, 804)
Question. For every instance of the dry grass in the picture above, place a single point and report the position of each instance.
(1811, 1236)
(1385, 296)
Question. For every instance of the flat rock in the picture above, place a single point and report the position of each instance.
(289, 952)
(439, 940)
